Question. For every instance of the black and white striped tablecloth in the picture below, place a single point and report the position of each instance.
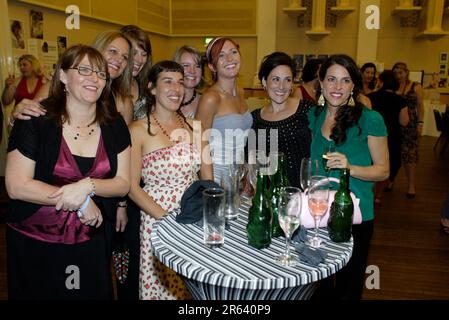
(238, 270)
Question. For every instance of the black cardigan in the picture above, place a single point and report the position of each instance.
(43, 137)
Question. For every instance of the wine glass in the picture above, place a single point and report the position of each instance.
(329, 149)
(308, 168)
(289, 220)
(318, 200)
(257, 160)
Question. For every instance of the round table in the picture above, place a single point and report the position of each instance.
(238, 271)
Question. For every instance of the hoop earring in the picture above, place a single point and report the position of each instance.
(321, 101)
(351, 101)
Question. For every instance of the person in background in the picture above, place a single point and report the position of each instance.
(413, 95)
(167, 158)
(192, 61)
(287, 115)
(359, 137)
(27, 85)
(308, 89)
(63, 172)
(369, 72)
(394, 110)
(223, 108)
(141, 62)
(141, 67)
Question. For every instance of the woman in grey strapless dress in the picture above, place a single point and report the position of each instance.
(222, 108)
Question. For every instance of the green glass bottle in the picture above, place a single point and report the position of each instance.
(278, 181)
(339, 224)
(258, 228)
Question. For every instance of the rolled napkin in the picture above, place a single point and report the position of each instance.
(300, 235)
(192, 202)
(312, 257)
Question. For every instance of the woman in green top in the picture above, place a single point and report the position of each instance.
(358, 136)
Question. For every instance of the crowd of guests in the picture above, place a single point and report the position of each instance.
(93, 153)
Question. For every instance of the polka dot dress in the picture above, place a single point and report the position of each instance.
(167, 173)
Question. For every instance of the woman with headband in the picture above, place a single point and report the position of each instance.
(223, 108)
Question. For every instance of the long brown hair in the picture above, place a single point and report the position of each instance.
(134, 33)
(56, 103)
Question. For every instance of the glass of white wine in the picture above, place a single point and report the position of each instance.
(289, 220)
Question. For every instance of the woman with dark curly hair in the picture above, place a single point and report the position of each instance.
(359, 137)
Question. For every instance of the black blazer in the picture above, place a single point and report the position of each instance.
(40, 140)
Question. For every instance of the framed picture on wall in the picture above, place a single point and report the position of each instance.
(443, 57)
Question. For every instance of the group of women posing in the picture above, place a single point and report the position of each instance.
(69, 170)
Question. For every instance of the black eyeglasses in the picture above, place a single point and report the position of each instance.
(86, 71)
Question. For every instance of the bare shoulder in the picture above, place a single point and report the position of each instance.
(138, 127)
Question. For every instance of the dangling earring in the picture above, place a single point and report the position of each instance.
(321, 100)
(351, 101)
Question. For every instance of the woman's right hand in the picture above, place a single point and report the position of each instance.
(10, 81)
(92, 215)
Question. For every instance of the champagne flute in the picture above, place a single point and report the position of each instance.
(308, 168)
(318, 200)
(289, 220)
(329, 149)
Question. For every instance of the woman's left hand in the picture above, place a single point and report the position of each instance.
(337, 160)
(122, 219)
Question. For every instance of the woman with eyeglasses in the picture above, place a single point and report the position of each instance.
(64, 171)
(117, 50)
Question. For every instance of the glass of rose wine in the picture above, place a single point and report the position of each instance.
(289, 220)
(318, 201)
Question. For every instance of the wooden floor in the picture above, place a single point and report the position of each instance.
(407, 247)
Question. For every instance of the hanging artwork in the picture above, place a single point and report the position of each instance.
(36, 24)
(17, 34)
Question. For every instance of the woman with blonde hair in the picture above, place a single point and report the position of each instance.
(192, 61)
(27, 85)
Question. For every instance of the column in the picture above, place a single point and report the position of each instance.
(318, 18)
(367, 38)
(266, 31)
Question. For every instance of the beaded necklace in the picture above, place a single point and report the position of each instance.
(78, 134)
(190, 100)
(162, 128)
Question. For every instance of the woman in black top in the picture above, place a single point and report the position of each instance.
(286, 114)
(63, 172)
(394, 110)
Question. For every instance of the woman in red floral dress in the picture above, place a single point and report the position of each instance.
(165, 156)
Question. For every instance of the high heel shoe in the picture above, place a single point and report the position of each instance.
(410, 195)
